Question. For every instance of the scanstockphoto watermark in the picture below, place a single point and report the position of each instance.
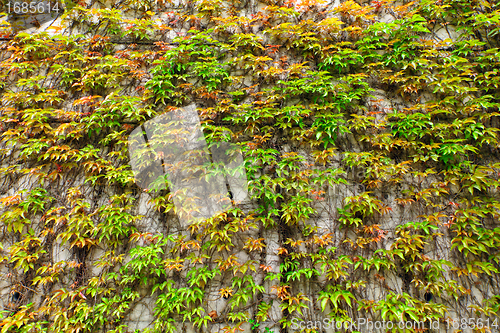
(170, 151)
(362, 324)
(204, 178)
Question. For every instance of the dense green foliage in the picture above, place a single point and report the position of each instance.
(402, 98)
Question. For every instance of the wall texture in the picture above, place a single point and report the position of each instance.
(369, 133)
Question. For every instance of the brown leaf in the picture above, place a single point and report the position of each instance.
(213, 314)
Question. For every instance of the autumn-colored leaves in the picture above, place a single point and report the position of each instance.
(291, 84)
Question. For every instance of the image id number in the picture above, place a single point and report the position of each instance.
(33, 7)
(478, 323)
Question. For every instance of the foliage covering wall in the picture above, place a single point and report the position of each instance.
(394, 103)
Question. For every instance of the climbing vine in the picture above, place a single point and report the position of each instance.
(369, 132)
